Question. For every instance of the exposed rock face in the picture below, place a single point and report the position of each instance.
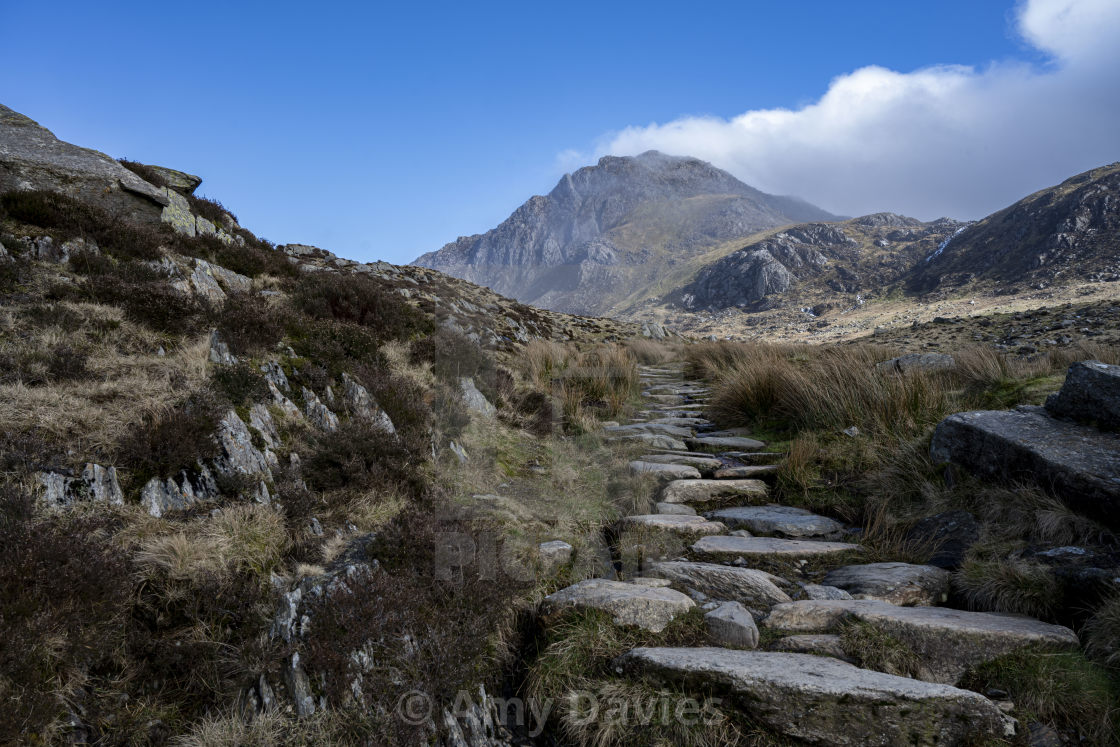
(903, 584)
(178, 492)
(1090, 393)
(474, 399)
(95, 483)
(948, 642)
(585, 244)
(754, 588)
(180, 181)
(824, 700)
(1077, 463)
(629, 604)
(31, 157)
(1062, 234)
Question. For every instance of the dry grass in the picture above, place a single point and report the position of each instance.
(1102, 633)
(589, 385)
(651, 352)
(1008, 585)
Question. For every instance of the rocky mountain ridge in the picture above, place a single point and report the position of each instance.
(605, 229)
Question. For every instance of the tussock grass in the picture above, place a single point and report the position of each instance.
(1102, 633)
(1008, 585)
(589, 385)
(652, 352)
(873, 648)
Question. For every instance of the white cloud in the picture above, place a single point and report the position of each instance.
(946, 140)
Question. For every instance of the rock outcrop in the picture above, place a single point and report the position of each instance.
(1090, 394)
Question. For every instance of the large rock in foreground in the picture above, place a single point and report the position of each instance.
(628, 604)
(947, 641)
(1091, 393)
(1079, 464)
(824, 700)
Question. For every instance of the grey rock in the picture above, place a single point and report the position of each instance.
(752, 587)
(723, 443)
(474, 399)
(708, 491)
(275, 374)
(554, 554)
(459, 452)
(701, 463)
(729, 548)
(160, 496)
(903, 584)
(824, 700)
(1091, 392)
(675, 523)
(635, 428)
(299, 687)
(286, 405)
(1075, 462)
(664, 471)
(180, 181)
(656, 583)
(744, 472)
(947, 641)
(219, 350)
(361, 404)
(678, 509)
(95, 483)
(261, 419)
(33, 158)
(318, 413)
(918, 362)
(731, 625)
(238, 455)
(654, 440)
(821, 645)
(628, 604)
(781, 520)
(817, 591)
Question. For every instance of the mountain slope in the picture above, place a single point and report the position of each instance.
(1064, 234)
(607, 229)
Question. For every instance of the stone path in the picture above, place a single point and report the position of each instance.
(798, 575)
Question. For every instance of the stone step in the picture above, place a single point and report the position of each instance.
(702, 463)
(722, 547)
(681, 421)
(675, 523)
(664, 471)
(724, 443)
(667, 399)
(671, 413)
(753, 588)
(628, 604)
(786, 521)
(745, 471)
(710, 491)
(678, 509)
(823, 700)
(676, 431)
(948, 642)
(654, 440)
(903, 584)
(754, 457)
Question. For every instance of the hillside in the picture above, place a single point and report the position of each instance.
(608, 230)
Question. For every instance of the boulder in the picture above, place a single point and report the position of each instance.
(731, 625)
(664, 471)
(754, 588)
(825, 701)
(678, 509)
(723, 443)
(821, 645)
(918, 362)
(180, 181)
(903, 584)
(948, 642)
(653, 440)
(1090, 393)
(949, 533)
(475, 400)
(768, 548)
(1075, 462)
(701, 463)
(707, 491)
(554, 555)
(786, 521)
(818, 591)
(675, 523)
(628, 604)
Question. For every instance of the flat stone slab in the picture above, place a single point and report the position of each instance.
(823, 700)
(667, 471)
(677, 523)
(671, 413)
(681, 421)
(786, 521)
(701, 463)
(668, 430)
(947, 641)
(628, 604)
(729, 548)
(822, 644)
(675, 508)
(752, 587)
(1079, 464)
(707, 491)
(903, 584)
(744, 472)
(723, 443)
(653, 440)
(754, 457)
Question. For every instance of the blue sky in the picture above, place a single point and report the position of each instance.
(383, 131)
